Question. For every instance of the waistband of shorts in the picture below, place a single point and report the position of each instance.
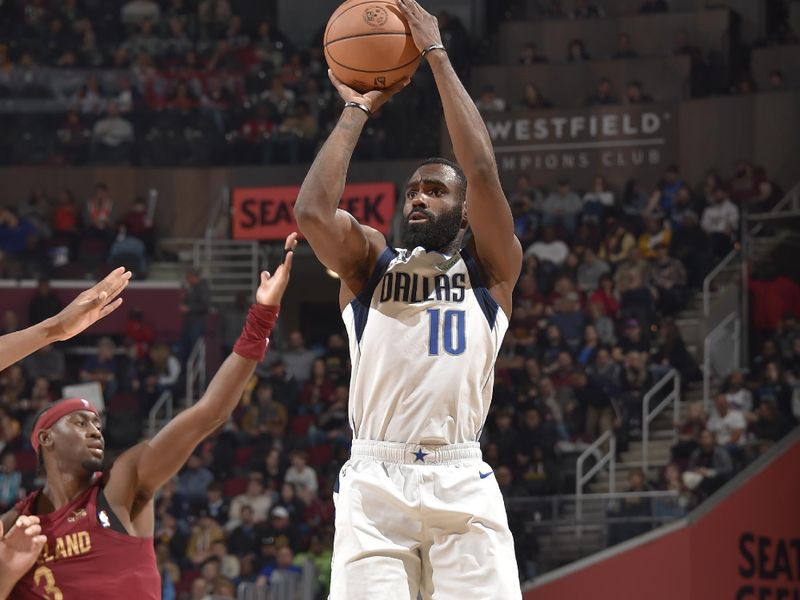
(417, 454)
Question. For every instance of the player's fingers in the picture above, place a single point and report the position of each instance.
(109, 308)
(265, 276)
(291, 242)
(33, 530)
(117, 285)
(40, 540)
(403, 8)
(287, 262)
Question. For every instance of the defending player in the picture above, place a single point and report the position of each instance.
(99, 526)
(416, 508)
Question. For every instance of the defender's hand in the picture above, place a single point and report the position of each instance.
(21, 547)
(424, 26)
(372, 100)
(92, 305)
(273, 286)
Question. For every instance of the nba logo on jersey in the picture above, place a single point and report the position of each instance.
(85, 402)
(104, 521)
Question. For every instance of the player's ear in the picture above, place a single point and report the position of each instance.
(45, 439)
(464, 221)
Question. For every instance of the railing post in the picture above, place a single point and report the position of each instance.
(676, 415)
(612, 465)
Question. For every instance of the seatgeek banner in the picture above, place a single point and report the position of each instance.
(746, 548)
(267, 213)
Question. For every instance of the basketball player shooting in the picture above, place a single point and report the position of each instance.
(99, 525)
(417, 511)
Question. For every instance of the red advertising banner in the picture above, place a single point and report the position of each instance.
(746, 548)
(267, 213)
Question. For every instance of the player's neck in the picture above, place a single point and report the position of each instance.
(61, 489)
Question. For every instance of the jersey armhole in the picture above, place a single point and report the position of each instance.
(361, 303)
(488, 304)
(110, 520)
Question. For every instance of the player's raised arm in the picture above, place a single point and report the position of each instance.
(149, 465)
(89, 307)
(488, 212)
(338, 240)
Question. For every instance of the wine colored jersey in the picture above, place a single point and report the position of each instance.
(85, 558)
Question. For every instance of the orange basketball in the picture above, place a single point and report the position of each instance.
(368, 45)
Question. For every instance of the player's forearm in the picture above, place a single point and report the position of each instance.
(225, 390)
(324, 184)
(16, 346)
(471, 142)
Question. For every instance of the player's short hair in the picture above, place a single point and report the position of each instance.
(39, 453)
(460, 175)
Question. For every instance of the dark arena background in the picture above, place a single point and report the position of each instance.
(644, 423)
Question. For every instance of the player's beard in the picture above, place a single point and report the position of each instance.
(436, 234)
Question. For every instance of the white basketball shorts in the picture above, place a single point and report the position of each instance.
(414, 520)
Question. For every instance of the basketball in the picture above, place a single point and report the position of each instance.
(368, 45)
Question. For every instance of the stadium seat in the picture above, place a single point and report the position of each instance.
(300, 424)
(26, 460)
(234, 486)
(243, 455)
(319, 455)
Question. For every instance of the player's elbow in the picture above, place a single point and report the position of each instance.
(307, 215)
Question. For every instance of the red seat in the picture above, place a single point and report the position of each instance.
(234, 486)
(243, 455)
(184, 586)
(319, 455)
(300, 425)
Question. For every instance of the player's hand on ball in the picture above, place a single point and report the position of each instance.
(21, 547)
(372, 100)
(273, 286)
(424, 26)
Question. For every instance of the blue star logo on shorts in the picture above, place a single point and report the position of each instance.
(420, 456)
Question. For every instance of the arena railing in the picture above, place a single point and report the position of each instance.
(196, 373)
(284, 585)
(717, 361)
(552, 526)
(648, 415)
(608, 458)
(164, 405)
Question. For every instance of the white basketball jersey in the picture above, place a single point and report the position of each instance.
(424, 337)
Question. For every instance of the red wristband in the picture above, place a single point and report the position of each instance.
(252, 343)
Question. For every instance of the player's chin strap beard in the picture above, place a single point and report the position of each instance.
(435, 235)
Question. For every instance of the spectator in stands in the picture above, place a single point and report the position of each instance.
(74, 137)
(691, 246)
(101, 367)
(738, 396)
(193, 483)
(293, 138)
(284, 565)
(635, 381)
(604, 95)
(768, 427)
(281, 528)
(594, 403)
(552, 9)
(298, 358)
(721, 222)
(139, 224)
(590, 271)
(657, 232)
(48, 363)
(653, 6)
(625, 47)
(164, 367)
(634, 94)
(18, 238)
(669, 278)
(632, 513)
(195, 307)
(675, 506)
(776, 80)
(112, 137)
(743, 186)
(689, 431)
(98, 213)
(44, 303)
(300, 474)
(205, 533)
(255, 498)
(728, 425)
(774, 388)
(549, 249)
(682, 202)
(216, 505)
(601, 321)
(10, 482)
(684, 48)
(671, 352)
(489, 101)
(129, 251)
(242, 540)
(597, 201)
(568, 317)
(710, 466)
(576, 51)
(532, 98)
(529, 55)
(136, 11)
(584, 10)
(10, 322)
(562, 207)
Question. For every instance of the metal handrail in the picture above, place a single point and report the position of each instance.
(581, 478)
(710, 338)
(196, 372)
(165, 400)
(649, 415)
(712, 275)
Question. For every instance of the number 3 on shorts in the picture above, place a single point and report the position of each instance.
(455, 342)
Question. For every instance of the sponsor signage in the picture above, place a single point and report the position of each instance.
(267, 213)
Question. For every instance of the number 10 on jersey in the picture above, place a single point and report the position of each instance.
(449, 327)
